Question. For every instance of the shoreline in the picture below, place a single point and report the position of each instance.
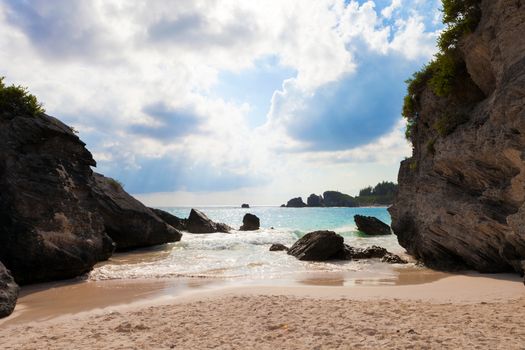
(456, 311)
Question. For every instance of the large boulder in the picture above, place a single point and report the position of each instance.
(296, 203)
(126, 220)
(8, 292)
(170, 219)
(371, 226)
(318, 246)
(315, 201)
(198, 222)
(250, 222)
(50, 227)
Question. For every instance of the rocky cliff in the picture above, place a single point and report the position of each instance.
(461, 196)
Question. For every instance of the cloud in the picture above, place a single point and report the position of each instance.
(178, 95)
(167, 123)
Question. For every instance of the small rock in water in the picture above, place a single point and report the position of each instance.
(371, 225)
(278, 247)
(244, 205)
(250, 222)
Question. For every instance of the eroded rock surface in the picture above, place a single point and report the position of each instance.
(8, 292)
(128, 222)
(170, 219)
(371, 225)
(198, 222)
(461, 196)
(49, 224)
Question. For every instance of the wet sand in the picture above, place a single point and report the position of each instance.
(448, 312)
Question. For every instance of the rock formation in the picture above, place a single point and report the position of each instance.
(49, 224)
(127, 221)
(371, 226)
(315, 201)
(250, 222)
(338, 199)
(198, 222)
(327, 245)
(277, 247)
(296, 203)
(245, 205)
(8, 292)
(170, 219)
(461, 199)
(318, 246)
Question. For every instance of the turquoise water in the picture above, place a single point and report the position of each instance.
(246, 255)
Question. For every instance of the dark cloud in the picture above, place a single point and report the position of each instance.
(196, 30)
(58, 28)
(172, 123)
(353, 111)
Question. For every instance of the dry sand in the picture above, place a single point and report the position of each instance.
(458, 312)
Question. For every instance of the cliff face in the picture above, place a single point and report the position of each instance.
(461, 198)
(49, 226)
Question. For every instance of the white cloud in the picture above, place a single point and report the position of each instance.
(97, 64)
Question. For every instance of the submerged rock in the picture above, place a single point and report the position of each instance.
(198, 222)
(296, 203)
(126, 220)
(371, 226)
(250, 222)
(318, 246)
(278, 247)
(8, 292)
(170, 219)
(461, 198)
(50, 227)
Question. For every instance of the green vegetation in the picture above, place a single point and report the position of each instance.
(17, 100)
(381, 194)
(116, 185)
(446, 71)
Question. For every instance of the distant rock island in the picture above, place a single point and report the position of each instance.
(380, 195)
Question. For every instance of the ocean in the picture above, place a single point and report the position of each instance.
(243, 256)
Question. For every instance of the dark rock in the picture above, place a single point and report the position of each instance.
(373, 252)
(278, 247)
(170, 219)
(390, 258)
(245, 205)
(8, 292)
(315, 201)
(371, 225)
(250, 222)
(198, 222)
(283, 205)
(338, 199)
(462, 202)
(318, 246)
(50, 227)
(296, 203)
(127, 221)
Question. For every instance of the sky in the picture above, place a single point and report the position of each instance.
(208, 102)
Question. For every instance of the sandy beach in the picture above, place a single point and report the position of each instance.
(469, 311)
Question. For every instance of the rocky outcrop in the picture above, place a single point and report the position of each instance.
(318, 246)
(296, 203)
(371, 226)
(50, 227)
(127, 221)
(338, 199)
(315, 201)
(327, 245)
(461, 199)
(8, 292)
(278, 247)
(198, 222)
(250, 222)
(172, 220)
(245, 205)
